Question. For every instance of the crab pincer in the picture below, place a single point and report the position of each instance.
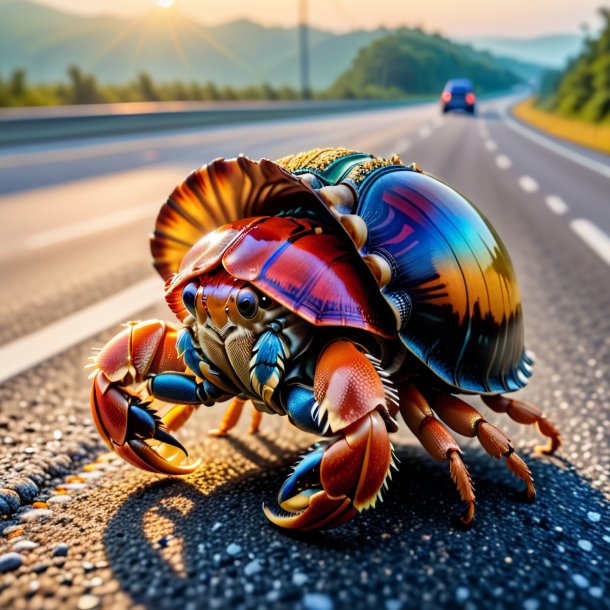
(124, 410)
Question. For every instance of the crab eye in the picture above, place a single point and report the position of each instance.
(247, 303)
(264, 302)
(189, 295)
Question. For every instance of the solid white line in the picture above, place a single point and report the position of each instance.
(26, 352)
(557, 204)
(503, 162)
(528, 184)
(89, 227)
(491, 146)
(593, 236)
(572, 155)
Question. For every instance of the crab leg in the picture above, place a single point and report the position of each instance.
(232, 415)
(524, 413)
(467, 421)
(438, 442)
(344, 476)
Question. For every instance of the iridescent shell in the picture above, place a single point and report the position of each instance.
(452, 298)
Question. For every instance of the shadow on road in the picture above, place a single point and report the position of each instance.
(171, 545)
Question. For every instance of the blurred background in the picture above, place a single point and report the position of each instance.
(105, 105)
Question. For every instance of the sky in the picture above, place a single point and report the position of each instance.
(513, 18)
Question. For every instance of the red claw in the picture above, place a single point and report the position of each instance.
(127, 421)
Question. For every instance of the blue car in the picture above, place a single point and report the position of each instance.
(458, 94)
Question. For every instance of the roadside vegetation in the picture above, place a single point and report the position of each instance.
(582, 90)
(82, 88)
(575, 104)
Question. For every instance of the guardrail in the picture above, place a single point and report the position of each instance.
(37, 125)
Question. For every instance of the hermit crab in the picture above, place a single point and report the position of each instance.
(338, 289)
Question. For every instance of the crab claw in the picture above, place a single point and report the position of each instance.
(135, 431)
(331, 484)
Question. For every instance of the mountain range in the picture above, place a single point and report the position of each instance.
(170, 46)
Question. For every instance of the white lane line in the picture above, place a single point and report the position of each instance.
(528, 184)
(557, 204)
(26, 352)
(491, 146)
(425, 131)
(438, 121)
(572, 155)
(483, 130)
(402, 146)
(503, 162)
(593, 236)
(89, 227)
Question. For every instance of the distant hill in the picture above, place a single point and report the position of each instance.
(409, 62)
(172, 47)
(549, 51)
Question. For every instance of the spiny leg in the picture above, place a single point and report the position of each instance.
(438, 442)
(467, 421)
(524, 413)
(232, 415)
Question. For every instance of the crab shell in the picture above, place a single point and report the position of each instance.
(450, 291)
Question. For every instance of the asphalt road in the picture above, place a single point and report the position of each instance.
(74, 260)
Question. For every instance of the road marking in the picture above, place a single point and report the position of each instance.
(503, 162)
(438, 121)
(24, 353)
(89, 227)
(491, 146)
(425, 131)
(572, 155)
(528, 184)
(402, 146)
(593, 236)
(483, 130)
(557, 204)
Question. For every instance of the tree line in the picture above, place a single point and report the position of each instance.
(405, 63)
(582, 90)
(83, 88)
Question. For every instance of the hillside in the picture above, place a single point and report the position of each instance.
(172, 47)
(409, 62)
(582, 91)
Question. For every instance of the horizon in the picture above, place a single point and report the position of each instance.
(322, 19)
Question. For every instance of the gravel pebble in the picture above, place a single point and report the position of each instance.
(461, 594)
(233, 549)
(10, 561)
(254, 567)
(317, 601)
(61, 499)
(299, 579)
(36, 514)
(593, 516)
(61, 550)
(88, 602)
(585, 545)
(580, 581)
(24, 545)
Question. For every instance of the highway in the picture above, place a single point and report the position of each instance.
(74, 261)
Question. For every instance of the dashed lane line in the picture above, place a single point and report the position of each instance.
(503, 162)
(528, 184)
(557, 204)
(26, 352)
(491, 146)
(593, 236)
(425, 131)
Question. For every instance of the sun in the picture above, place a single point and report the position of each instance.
(165, 3)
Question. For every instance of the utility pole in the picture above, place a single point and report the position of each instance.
(304, 50)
